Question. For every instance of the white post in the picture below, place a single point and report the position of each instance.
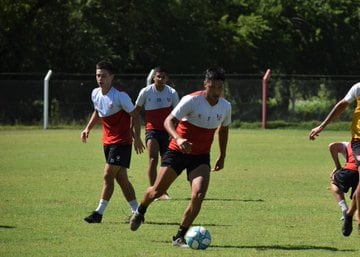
(46, 99)
(149, 77)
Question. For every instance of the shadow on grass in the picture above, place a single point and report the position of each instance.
(283, 247)
(221, 199)
(274, 247)
(7, 227)
(157, 223)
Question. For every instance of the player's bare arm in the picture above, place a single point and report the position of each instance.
(334, 113)
(335, 149)
(94, 119)
(136, 128)
(170, 124)
(356, 198)
(223, 139)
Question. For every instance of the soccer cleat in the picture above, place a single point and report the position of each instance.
(347, 226)
(94, 217)
(136, 220)
(179, 242)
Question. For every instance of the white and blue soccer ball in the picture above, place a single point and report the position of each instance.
(198, 238)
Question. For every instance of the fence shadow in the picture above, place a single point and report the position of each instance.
(274, 247)
(7, 227)
(284, 247)
(221, 199)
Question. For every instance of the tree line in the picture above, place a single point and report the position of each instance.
(185, 36)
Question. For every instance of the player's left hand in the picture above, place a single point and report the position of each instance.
(219, 164)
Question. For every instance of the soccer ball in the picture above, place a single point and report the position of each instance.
(198, 238)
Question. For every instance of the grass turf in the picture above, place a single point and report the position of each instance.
(272, 199)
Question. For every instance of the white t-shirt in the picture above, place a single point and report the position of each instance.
(113, 109)
(157, 105)
(199, 120)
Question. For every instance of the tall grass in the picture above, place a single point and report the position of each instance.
(272, 199)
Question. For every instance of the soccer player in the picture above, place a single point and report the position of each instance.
(158, 100)
(344, 178)
(352, 95)
(120, 122)
(198, 116)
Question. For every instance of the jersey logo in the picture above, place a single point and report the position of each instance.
(218, 116)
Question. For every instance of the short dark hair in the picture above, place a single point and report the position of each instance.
(215, 73)
(105, 65)
(160, 69)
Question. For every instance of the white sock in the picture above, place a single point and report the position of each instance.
(343, 205)
(133, 205)
(102, 205)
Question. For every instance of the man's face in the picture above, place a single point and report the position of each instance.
(214, 89)
(159, 79)
(104, 78)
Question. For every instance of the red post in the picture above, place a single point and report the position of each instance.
(264, 98)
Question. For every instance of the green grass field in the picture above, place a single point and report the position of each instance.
(272, 199)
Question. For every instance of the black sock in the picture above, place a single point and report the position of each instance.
(142, 209)
(181, 231)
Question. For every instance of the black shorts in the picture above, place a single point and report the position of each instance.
(119, 155)
(180, 161)
(346, 179)
(161, 136)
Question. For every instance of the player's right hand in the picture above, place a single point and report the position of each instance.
(315, 132)
(84, 135)
(184, 144)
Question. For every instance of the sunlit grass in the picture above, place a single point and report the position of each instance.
(272, 199)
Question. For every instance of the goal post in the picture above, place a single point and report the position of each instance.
(46, 99)
(149, 77)
(264, 97)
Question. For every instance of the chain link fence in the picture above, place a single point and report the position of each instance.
(290, 98)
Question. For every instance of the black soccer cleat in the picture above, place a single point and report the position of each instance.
(136, 220)
(347, 226)
(94, 217)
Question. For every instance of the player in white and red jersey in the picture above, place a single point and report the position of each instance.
(117, 114)
(158, 100)
(343, 177)
(352, 95)
(198, 116)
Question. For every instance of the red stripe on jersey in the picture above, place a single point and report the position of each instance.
(155, 118)
(197, 93)
(350, 160)
(201, 138)
(116, 129)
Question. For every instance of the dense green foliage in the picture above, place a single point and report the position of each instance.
(186, 36)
